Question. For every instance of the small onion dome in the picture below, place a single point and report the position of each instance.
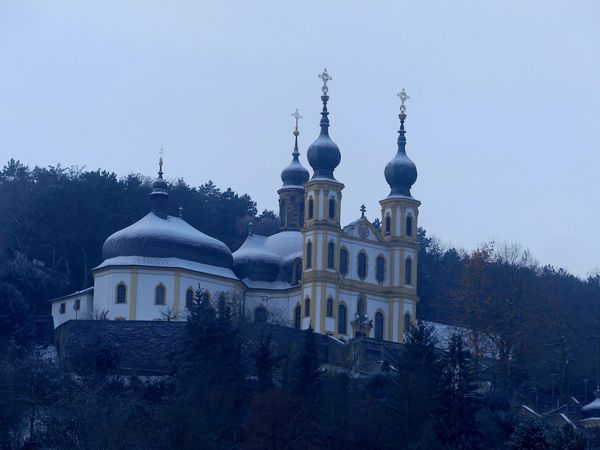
(295, 174)
(401, 172)
(169, 237)
(592, 409)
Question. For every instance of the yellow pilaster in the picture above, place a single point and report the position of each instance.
(133, 295)
(176, 287)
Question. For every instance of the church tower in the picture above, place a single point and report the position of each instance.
(399, 213)
(322, 230)
(291, 193)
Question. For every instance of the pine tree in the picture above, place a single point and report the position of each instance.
(529, 435)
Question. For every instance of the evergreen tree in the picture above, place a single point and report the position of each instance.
(568, 438)
(529, 435)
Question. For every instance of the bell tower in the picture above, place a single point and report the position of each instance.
(322, 230)
(399, 214)
(291, 193)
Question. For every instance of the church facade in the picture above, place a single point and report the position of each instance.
(344, 281)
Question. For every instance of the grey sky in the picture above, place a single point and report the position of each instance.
(504, 102)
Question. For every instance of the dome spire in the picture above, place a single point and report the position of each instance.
(324, 154)
(160, 194)
(401, 172)
(295, 174)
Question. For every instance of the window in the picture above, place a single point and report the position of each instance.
(260, 314)
(309, 255)
(409, 226)
(388, 224)
(362, 265)
(407, 323)
(311, 208)
(63, 308)
(343, 261)
(332, 208)
(329, 307)
(282, 214)
(330, 250)
(408, 271)
(297, 316)
(342, 319)
(77, 305)
(121, 293)
(307, 307)
(189, 298)
(302, 214)
(297, 271)
(380, 269)
(159, 295)
(378, 325)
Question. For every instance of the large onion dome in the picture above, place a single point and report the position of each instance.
(324, 154)
(401, 172)
(158, 235)
(295, 174)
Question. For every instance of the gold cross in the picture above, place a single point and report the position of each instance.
(403, 97)
(161, 152)
(297, 116)
(325, 77)
(363, 209)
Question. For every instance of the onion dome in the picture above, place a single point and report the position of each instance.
(324, 154)
(295, 174)
(158, 235)
(401, 172)
(592, 409)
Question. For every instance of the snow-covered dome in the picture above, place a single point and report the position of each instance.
(262, 258)
(295, 174)
(592, 409)
(168, 237)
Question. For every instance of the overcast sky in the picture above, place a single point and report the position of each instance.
(502, 121)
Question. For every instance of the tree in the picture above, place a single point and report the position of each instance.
(529, 435)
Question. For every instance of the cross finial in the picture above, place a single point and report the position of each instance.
(363, 210)
(403, 97)
(181, 212)
(160, 159)
(296, 116)
(325, 77)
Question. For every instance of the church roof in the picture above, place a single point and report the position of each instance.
(167, 263)
(169, 237)
(268, 259)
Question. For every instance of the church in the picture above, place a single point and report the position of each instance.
(356, 280)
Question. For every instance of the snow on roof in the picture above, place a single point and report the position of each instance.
(170, 263)
(85, 291)
(566, 419)
(269, 285)
(528, 409)
(276, 249)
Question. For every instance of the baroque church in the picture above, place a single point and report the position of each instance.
(344, 281)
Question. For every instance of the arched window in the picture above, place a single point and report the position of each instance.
(297, 316)
(332, 208)
(408, 271)
(379, 325)
(380, 269)
(159, 295)
(361, 307)
(407, 322)
(189, 298)
(302, 214)
(342, 319)
(329, 307)
(409, 226)
(307, 307)
(343, 261)
(388, 224)
(297, 271)
(260, 314)
(330, 250)
(362, 265)
(309, 255)
(121, 293)
(311, 208)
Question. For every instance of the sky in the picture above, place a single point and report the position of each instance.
(502, 118)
